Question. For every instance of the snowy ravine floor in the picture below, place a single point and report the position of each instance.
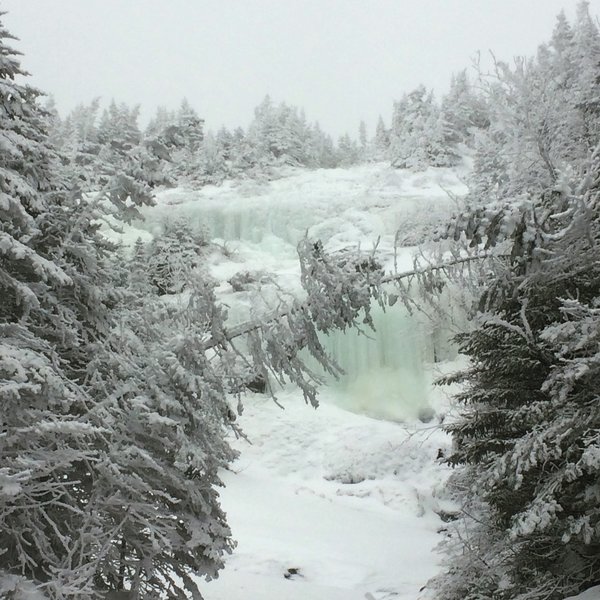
(345, 500)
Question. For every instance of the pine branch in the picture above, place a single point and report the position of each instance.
(438, 267)
(250, 326)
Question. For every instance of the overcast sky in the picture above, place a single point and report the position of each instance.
(341, 60)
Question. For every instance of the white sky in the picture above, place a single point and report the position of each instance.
(341, 60)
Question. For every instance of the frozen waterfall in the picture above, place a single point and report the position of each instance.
(385, 370)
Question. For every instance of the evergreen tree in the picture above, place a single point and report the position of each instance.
(173, 255)
(419, 135)
(77, 140)
(543, 112)
(212, 165)
(527, 438)
(381, 142)
(463, 110)
(225, 139)
(155, 487)
(362, 140)
(112, 434)
(525, 443)
(160, 124)
(245, 158)
(191, 127)
(55, 301)
(348, 152)
(162, 144)
(281, 135)
(184, 138)
(320, 149)
(118, 129)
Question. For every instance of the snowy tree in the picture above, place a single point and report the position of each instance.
(524, 443)
(176, 150)
(155, 486)
(172, 255)
(161, 141)
(212, 166)
(278, 131)
(543, 113)
(419, 134)
(138, 279)
(362, 140)
(54, 120)
(244, 154)
(108, 470)
(160, 123)
(381, 141)
(190, 125)
(463, 110)
(77, 139)
(37, 399)
(528, 433)
(348, 151)
(320, 149)
(118, 128)
(184, 139)
(56, 292)
(225, 139)
(281, 135)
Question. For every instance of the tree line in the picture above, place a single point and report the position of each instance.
(174, 148)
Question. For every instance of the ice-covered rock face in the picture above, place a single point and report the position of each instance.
(387, 371)
(343, 206)
(261, 223)
(384, 374)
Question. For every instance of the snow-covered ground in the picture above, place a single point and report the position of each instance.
(344, 501)
(328, 504)
(591, 594)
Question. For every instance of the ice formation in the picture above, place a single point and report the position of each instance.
(262, 223)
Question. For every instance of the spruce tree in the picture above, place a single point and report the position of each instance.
(172, 255)
(420, 136)
(527, 439)
(49, 434)
(381, 141)
(112, 426)
(526, 442)
(543, 113)
(463, 110)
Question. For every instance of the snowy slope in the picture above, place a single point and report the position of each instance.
(341, 206)
(347, 206)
